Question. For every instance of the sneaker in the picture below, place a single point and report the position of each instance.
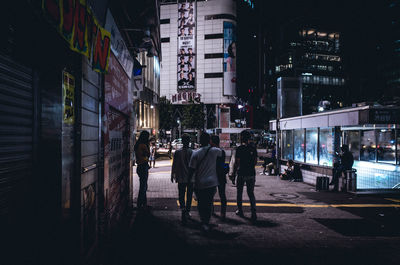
(184, 220)
(188, 215)
(239, 213)
(205, 228)
(253, 217)
(223, 216)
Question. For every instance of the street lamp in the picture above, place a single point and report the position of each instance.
(179, 127)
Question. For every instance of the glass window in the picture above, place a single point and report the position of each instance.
(398, 147)
(368, 146)
(299, 145)
(353, 141)
(386, 146)
(325, 147)
(287, 144)
(311, 146)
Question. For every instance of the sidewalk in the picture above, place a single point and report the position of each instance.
(296, 225)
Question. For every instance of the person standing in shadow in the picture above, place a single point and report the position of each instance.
(203, 164)
(245, 162)
(345, 162)
(221, 173)
(180, 174)
(142, 153)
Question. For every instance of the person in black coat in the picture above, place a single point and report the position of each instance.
(345, 162)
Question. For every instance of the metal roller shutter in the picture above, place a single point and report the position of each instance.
(16, 135)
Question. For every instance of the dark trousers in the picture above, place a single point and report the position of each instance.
(143, 172)
(188, 189)
(205, 198)
(222, 196)
(250, 183)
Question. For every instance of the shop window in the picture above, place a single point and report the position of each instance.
(368, 146)
(326, 147)
(353, 141)
(287, 144)
(312, 146)
(298, 141)
(386, 146)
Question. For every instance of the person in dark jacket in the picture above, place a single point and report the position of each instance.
(346, 162)
(142, 153)
(245, 162)
(180, 174)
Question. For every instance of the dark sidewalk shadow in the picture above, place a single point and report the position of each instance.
(360, 227)
(261, 222)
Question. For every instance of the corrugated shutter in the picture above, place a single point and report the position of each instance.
(16, 135)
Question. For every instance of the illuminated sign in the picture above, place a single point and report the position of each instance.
(186, 97)
(186, 69)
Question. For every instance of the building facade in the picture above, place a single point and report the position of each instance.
(314, 55)
(67, 124)
(201, 34)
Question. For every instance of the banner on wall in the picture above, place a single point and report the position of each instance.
(76, 23)
(186, 46)
(229, 59)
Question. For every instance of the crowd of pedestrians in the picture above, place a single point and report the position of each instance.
(203, 171)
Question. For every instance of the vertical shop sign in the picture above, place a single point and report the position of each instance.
(229, 59)
(68, 98)
(186, 45)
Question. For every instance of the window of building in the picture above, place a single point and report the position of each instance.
(164, 21)
(326, 147)
(214, 36)
(213, 75)
(287, 144)
(368, 146)
(298, 143)
(312, 146)
(213, 55)
(386, 147)
(220, 16)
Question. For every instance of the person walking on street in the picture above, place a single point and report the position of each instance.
(153, 154)
(142, 153)
(203, 167)
(221, 173)
(245, 162)
(180, 174)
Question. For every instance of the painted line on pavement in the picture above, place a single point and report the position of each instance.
(393, 200)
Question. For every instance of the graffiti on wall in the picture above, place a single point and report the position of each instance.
(76, 23)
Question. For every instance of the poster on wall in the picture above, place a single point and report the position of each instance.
(68, 98)
(229, 59)
(186, 70)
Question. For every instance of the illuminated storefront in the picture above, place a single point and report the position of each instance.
(372, 134)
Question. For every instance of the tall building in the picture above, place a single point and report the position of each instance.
(198, 43)
(392, 60)
(313, 53)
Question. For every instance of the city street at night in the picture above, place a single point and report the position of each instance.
(296, 225)
(200, 132)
